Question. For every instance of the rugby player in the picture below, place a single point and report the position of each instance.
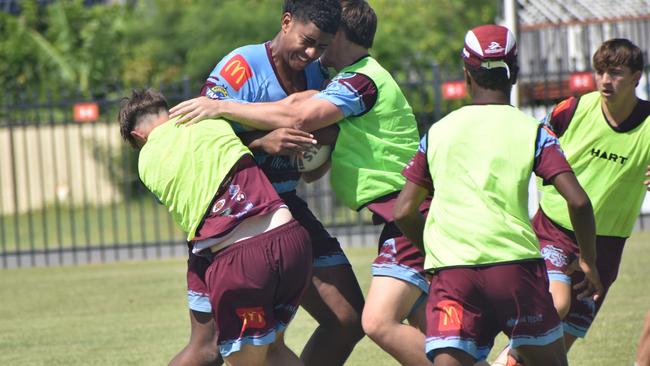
(488, 274)
(606, 137)
(260, 257)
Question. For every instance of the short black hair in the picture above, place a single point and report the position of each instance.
(494, 79)
(141, 103)
(359, 22)
(325, 14)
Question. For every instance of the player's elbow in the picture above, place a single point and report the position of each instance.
(580, 202)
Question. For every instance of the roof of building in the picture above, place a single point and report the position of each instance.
(541, 13)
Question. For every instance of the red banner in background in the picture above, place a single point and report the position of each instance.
(581, 82)
(85, 112)
(454, 89)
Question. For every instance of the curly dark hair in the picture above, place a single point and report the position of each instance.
(325, 14)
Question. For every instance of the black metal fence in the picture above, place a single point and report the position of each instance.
(69, 190)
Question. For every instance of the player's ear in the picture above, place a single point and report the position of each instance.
(285, 24)
(637, 77)
(514, 73)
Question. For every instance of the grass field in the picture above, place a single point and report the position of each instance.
(135, 314)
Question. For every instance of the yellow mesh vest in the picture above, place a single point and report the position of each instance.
(480, 158)
(609, 165)
(184, 167)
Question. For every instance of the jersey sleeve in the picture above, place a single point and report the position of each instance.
(417, 170)
(232, 78)
(561, 115)
(353, 93)
(549, 157)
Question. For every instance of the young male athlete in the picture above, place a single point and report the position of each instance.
(488, 274)
(268, 72)
(378, 135)
(260, 257)
(606, 137)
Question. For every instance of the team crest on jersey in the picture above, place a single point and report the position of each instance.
(218, 206)
(236, 72)
(217, 92)
(555, 255)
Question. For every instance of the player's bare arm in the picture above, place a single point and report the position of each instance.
(407, 215)
(308, 114)
(582, 218)
(647, 181)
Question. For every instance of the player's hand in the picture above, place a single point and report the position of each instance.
(287, 141)
(194, 110)
(647, 181)
(591, 285)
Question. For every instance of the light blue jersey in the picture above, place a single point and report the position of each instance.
(248, 74)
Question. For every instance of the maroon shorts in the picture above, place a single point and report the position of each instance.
(255, 286)
(197, 291)
(559, 249)
(399, 258)
(467, 308)
(326, 249)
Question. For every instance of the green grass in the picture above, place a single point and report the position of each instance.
(135, 313)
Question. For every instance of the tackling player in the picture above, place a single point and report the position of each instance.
(268, 72)
(488, 274)
(378, 135)
(260, 257)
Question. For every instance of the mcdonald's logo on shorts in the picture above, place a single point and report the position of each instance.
(252, 317)
(451, 315)
(236, 72)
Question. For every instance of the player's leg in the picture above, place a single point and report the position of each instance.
(280, 355)
(643, 352)
(397, 292)
(248, 355)
(333, 297)
(583, 312)
(202, 347)
(388, 303)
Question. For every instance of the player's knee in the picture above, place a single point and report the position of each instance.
(374, 323)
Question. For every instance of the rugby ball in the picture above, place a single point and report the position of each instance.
(311, 159)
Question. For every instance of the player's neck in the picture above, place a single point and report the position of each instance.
(488, 96)
(353, 53)
(618, 110)
(290, 78)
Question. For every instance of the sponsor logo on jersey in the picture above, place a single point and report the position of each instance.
(217, 92)
(602, 154)
(251, 317)
(236, 72)
(451, 315)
